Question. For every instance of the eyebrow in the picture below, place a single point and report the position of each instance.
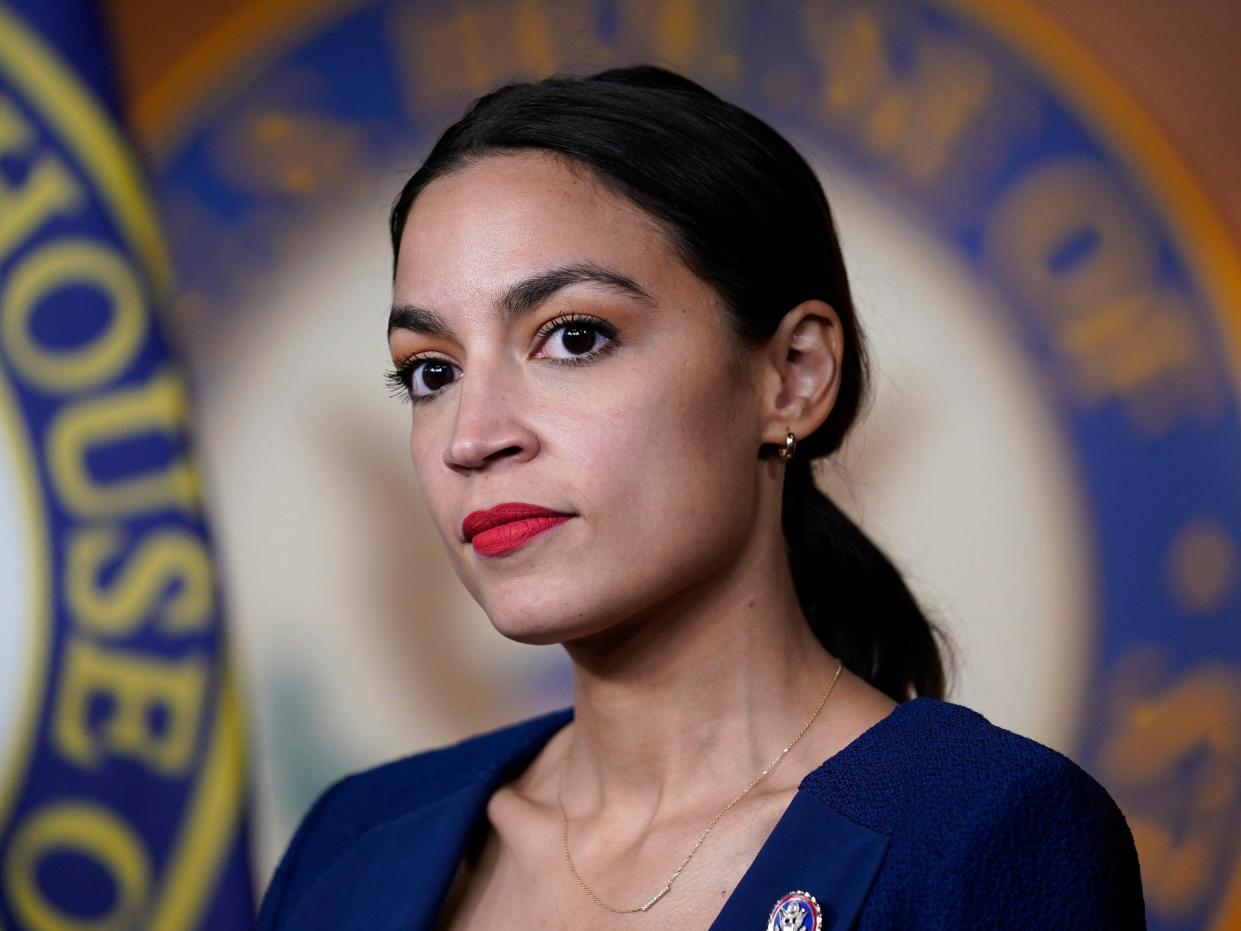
(522, 296)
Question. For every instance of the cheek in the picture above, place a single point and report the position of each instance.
(666, 458)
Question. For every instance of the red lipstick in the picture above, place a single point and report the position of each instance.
(509, 526)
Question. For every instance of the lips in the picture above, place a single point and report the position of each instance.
(509, 526)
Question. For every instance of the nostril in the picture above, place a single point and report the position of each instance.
(501, 453)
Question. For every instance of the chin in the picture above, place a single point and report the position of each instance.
(542, 630)
(542, 620)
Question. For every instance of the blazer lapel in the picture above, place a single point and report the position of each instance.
(811, 849)
(396, 875)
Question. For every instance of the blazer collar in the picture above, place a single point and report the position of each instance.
(812, 849)
(398, 873)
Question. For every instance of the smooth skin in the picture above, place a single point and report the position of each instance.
(670, 587)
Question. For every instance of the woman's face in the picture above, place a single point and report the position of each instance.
(562, 355)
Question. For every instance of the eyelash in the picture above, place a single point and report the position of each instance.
(400, 378)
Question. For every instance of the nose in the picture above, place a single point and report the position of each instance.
(487, 429)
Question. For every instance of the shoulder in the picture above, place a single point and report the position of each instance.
(935, 753)
(1005, 823)
(361, 801)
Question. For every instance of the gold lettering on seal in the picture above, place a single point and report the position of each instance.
(133, 688)
(1080, 255)
(79, 263)
(91, 831)
(1171, 755)
(47, 190)
(160, 559)
(157, 406)
(914, 119)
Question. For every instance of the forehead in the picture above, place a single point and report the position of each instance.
(482, 226)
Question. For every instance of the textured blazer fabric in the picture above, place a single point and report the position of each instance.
(934, 818)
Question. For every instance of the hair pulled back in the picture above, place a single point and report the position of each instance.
(746, 214)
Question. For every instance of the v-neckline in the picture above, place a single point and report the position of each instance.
(800, 804)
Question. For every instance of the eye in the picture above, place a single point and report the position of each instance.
(430, 375)
(419, 378)
(575, 338)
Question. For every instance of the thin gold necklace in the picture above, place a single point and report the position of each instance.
(702, 837)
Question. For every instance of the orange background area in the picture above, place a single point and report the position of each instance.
(1176, 59)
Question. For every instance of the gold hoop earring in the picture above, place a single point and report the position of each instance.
(789, 448)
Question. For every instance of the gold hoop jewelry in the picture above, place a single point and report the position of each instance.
(790, 447)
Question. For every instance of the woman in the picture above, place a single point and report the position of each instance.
(622, 317)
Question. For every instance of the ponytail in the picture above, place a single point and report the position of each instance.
(855, 600)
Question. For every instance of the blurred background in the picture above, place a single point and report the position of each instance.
(1039, 204)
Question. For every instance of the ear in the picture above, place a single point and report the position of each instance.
(803, 361)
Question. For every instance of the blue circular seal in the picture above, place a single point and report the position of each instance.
(121, 766)
(1003, 142)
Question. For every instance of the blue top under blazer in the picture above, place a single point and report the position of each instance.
(934, 818)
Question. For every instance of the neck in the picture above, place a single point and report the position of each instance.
(703, 692)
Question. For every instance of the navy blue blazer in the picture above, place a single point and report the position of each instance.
(933, 818)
